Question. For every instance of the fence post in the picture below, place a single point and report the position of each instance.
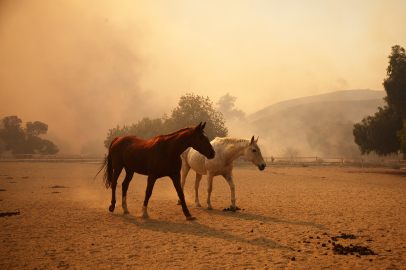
(342, 161)
(382, 163)
(362, 162)
(291, 161)
(316, 160)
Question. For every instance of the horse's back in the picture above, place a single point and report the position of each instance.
(125, 142)
(202, 165)
(132, 152)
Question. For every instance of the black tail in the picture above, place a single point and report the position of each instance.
(108, 173)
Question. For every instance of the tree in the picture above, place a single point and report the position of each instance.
(35, 129)
(193, 109)
(385, 132)
(378, 133)
(145, 129)
(2, 146)
(47, 148)
(2, 143)
(13, 135)
(395, 82)
(20, 140)
(226, 105)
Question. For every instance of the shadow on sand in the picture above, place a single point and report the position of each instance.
(248, 216)
(197, 229)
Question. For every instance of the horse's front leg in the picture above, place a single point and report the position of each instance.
(210, 177)
(176, 183)
(229, 179)
(185, 170)
(116, 174)
(148, 193)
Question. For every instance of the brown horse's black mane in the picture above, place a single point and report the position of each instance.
(174, 133)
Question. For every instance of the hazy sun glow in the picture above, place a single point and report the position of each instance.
(83, 67)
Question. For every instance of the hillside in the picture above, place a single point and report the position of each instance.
(348, 95)
(318, 128)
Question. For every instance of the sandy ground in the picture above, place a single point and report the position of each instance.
(289, 213)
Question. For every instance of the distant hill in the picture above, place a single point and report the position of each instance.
(322, 128)
(347, 95)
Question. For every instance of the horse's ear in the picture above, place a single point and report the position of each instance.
(204, 125)
(252, 140)
(256, 141)
(199, 126)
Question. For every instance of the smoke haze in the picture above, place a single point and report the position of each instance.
(83, 67)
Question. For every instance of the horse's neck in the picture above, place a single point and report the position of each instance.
(179, 142)
(235, 151)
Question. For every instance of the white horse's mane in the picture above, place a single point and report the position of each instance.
(231, 141)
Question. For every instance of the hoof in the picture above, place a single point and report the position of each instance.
(209, 208)
(198, 205)
(145, 216)
(190, 218)
(111, 208)
(126, 212)
(179, 203)
(234, 209)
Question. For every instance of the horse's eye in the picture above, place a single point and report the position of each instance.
(253, 150)
(200, 137)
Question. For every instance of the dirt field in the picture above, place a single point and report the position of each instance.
(288, 219)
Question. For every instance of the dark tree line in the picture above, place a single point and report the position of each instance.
(26, 140)
(191, 110)
(385, 132)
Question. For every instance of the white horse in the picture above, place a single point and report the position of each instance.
(227, 150)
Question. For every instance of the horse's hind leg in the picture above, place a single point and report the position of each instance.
(185, 171)
(197, 184)
(209, 189)
(229, 179)
(128, 177)
(116, 174)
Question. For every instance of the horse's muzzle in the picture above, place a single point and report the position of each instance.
(212, 155)
(261, 167)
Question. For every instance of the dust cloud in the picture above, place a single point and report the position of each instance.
(84, 67)
(74, 68)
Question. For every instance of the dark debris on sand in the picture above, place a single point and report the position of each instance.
(59, 187)
(343, 236)
(9, 214)
(340, 249)
(229, 209)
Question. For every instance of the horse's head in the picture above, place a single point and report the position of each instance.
(253, 154)
(201, 143)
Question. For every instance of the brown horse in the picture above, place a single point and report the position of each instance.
(156, 158)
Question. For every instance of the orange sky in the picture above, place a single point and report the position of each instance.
(83, 67)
